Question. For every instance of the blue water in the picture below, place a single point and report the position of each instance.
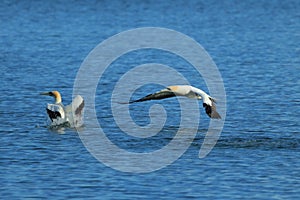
(256, 48)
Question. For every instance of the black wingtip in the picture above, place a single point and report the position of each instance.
(215, 115)
(211, 111)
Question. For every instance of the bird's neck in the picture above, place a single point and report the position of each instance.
(57, 99)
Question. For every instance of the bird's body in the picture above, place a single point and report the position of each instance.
(187, 91)
(60, 115)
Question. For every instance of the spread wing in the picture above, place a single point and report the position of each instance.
(75, 112)
(77, 106)
(163, 94)
(79, 110)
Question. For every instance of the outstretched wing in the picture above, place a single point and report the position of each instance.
(163, 94)
(75, 112)
(79, 110)
(211, 111)
(78, 105)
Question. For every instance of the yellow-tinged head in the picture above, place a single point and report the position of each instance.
(54, 94)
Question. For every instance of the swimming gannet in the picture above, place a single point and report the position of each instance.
(70, 115)
(187, 91)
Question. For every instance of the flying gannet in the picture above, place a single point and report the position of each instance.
(209, 103)
(70, 115)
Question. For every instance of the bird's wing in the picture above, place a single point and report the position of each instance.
(165, 93)
(79, 109)
(55, 112)
(211, 110)
(74, 112)
(76, 106)
(209, 103)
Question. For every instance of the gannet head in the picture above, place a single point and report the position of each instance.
(54, 94)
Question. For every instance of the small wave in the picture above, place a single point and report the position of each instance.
(266, 143)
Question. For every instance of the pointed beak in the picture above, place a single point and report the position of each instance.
(46, 93)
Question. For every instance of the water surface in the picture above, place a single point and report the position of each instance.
(256, 48)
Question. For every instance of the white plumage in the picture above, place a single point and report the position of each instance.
(60, 115)
(209, 103)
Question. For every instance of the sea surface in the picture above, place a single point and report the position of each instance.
(254, 44)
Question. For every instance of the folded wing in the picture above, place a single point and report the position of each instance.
(56, 114)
